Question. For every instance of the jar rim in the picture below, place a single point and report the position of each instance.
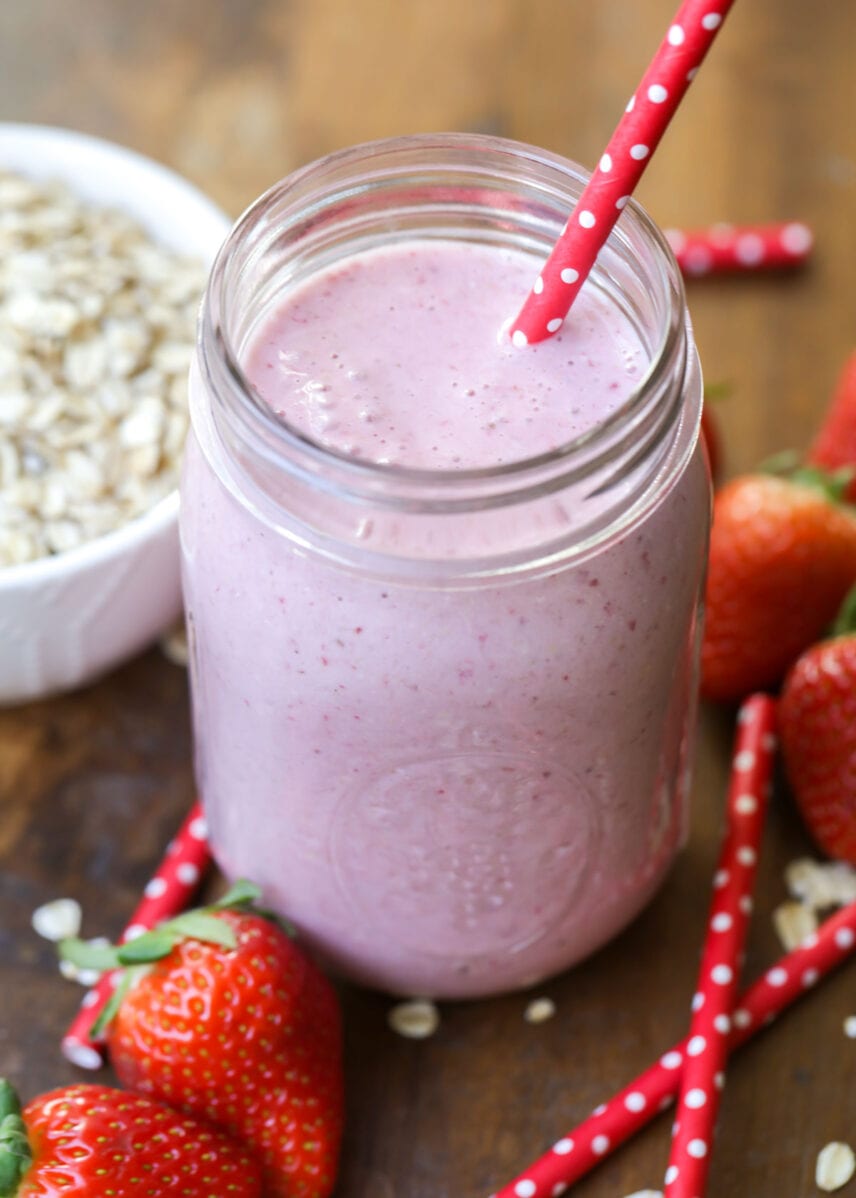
(581, 456)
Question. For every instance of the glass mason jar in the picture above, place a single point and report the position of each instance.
(443, 718)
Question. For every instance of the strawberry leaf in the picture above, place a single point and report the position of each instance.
(240, 894)
(151, 946)
(15, 1153)
(86, 955)
(201, 925)
(845, 621)
(111, 1008)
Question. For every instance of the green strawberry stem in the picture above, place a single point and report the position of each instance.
(15, 1154)
(845, 621)
(831, 484)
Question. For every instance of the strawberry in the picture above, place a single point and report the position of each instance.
(834, 446)
(96, 1142)
(782, 557)
(221, 1014)
(817, 720)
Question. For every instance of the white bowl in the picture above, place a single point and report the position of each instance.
(66, 619)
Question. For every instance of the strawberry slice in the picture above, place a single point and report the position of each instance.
(834, 446)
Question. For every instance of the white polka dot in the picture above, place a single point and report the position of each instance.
(82, 1055)
(711, 20)
(657, 93)
(559, 1188)
(696, 1046)
(720, 878)
(671, 1060)
(746, 855)
(539, 285)
(132, 932)
(721, 922)
(519, 338)
(719, 1081)
(672, 1174)
(631, 103)
(722, 1024)
(635, 1101)
(639, 151)
(777, 977)
(698, 1001)
(698, 260)
(844, 937)
(89, 999)
(600, 1145)
(555, 324)
(746, 904)
(606, 164)
(525, 1188)
(199, 828)
(697, 1149)
(744, 760)
(622, 202)
(768, 741)
(155, 888)
(691, 74)
(587, 219)
(676, 239)
(695, 1099)
(742, 1018)
(187, 873)
(810, 941)
(746, 804)
(676, 36)
(722, 974)
(796, 238)
(563, 1147)
(569, 275)
(749, 249)
(600, 1110)
(665, 1102)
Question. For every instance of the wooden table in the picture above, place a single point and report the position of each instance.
(235, 94)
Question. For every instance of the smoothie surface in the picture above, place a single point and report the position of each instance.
(401, 355)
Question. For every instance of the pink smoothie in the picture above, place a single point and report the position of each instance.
(450, 790)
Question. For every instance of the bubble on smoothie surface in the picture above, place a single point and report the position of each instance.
(368, 339)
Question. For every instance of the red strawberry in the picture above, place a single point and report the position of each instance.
(229, 1019)
(93, 1141)
(782, 557)
(817, 719)
(834, 446)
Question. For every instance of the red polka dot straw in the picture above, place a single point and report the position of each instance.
(620, 168)
(167, 892)
(706, 1052)
(724, 249)
(634, 1107)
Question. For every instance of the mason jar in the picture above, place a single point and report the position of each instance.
(443, 717)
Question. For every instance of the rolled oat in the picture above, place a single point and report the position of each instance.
(836, 1164)
(97, 325)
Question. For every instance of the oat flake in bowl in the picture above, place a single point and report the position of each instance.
(97, 323)
(103, 255)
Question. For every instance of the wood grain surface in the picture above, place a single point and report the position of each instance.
(235, 93)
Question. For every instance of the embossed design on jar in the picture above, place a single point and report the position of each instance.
(437, 853)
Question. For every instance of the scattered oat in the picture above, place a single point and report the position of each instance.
(850, 1027)
(97, 326)
(794, 922)
(174, 644)
(821, 885)
(539, 1010)
(417, 1019)
(836, 1164)
(57, 920)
